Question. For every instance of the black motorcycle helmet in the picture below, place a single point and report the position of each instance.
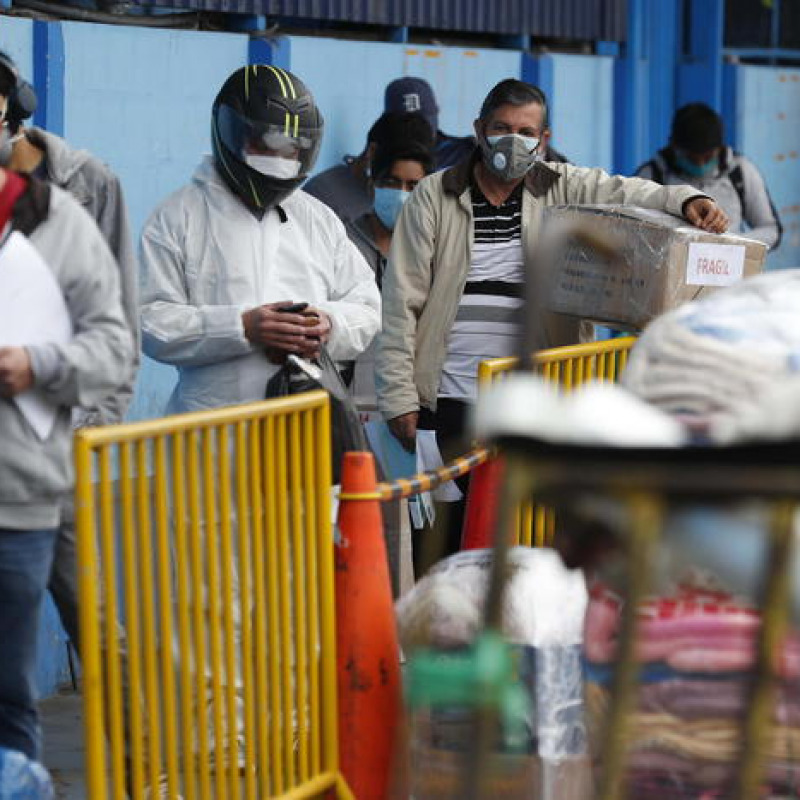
(265, 110)
(21, 95)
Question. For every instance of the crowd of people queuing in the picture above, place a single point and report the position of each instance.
(407, 260)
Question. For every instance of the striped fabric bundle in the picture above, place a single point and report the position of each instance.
(697, 649)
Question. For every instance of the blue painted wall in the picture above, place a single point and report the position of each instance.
(646, 81)
(580, 93)
(16, 39)
(582, 108)
(146, 110)
(766, 124)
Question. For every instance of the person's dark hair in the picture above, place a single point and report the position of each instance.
(7, 80)
(515, 93)
(697, 128)
(401, 137)
(21, 95)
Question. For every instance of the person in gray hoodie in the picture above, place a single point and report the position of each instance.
(697, 156)
(41, 223)
(48, 157)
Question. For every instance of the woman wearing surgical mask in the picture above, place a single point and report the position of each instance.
(402, 157)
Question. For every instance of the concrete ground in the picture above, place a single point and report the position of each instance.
(62, 727)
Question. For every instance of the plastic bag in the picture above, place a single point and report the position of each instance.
(543, 618)
(23, 779)
(298, 375)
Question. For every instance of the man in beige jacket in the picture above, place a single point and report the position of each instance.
(453, 285)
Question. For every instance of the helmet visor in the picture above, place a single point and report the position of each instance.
(292, 141)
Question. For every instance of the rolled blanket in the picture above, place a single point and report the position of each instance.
(714, 359)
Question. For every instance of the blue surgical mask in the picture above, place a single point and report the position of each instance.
(388, 203)
(688, 167)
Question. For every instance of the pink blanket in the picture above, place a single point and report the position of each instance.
(694, 631)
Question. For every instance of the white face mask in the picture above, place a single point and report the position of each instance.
(273, 166)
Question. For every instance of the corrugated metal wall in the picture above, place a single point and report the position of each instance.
(563, 19)
(749, 24)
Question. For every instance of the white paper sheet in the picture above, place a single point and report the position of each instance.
(32, 311)
(714, 264)
(431, 458)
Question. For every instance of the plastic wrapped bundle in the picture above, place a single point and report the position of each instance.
(713, 362)
(663, 263)
(543, 618)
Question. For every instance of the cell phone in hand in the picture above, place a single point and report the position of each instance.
(295, 308)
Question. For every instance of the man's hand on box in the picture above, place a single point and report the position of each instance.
(705, 214)
(16, 375)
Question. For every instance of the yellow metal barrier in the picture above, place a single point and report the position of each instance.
(567, 368)
(207, 605)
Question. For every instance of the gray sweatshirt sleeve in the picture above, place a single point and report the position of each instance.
(103, 199)
(97, 361)
(112, 219)
(759, 212)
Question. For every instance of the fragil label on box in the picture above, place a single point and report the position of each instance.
(714, 264)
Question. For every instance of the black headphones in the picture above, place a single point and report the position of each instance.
(22, 99)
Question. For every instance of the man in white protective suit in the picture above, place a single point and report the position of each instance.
(241, 268)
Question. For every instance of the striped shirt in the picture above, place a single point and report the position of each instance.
(487, 322)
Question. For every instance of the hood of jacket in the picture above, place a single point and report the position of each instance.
(63, 161)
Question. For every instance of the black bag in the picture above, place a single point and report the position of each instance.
(298, 375)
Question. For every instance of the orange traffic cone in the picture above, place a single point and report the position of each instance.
(480, 518)
(367, 651)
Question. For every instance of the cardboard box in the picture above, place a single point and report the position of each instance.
(664, 263)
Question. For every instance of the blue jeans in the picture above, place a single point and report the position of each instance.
(25, 561)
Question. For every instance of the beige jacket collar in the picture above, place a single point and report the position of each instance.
(457, 179)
